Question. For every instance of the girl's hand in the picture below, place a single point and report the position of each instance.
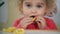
(26, 21)
(41, 22)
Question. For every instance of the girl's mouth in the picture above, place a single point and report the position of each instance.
(32, 16)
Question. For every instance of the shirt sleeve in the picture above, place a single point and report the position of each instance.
(16, 23)
(51, 25)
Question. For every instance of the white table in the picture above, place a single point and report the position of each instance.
(35, 32)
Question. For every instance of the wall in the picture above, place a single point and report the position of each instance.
(3, 13)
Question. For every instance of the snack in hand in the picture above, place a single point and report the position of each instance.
(33, 18)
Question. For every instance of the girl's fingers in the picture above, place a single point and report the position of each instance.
(41, 24)
(26, 22)
(41, 21)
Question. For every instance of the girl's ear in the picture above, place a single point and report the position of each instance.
(53, 11)
(20, 8)
(20, 5)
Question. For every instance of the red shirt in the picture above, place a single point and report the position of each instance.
(50, 25)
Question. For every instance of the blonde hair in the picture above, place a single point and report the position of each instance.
(50, 5)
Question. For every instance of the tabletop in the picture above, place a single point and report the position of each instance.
(35, 32)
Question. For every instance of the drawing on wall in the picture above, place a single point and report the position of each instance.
(1, 3)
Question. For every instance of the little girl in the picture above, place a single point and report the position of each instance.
(34, 12)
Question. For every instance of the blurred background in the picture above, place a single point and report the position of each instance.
(9, 12)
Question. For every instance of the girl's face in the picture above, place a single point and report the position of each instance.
(34, 8)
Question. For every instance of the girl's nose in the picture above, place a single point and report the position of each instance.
(34, 11)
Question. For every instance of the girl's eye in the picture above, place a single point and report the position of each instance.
(38, 6)
(28, 5)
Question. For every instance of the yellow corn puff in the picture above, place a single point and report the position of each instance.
(19, 31)
(10, 29)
